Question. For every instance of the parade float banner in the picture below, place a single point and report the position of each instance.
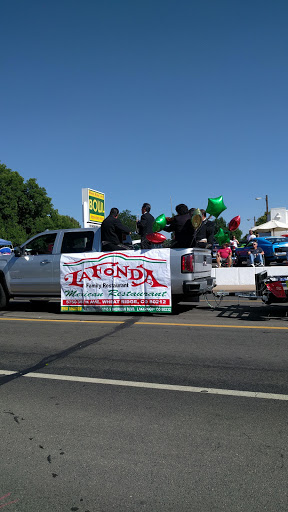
(127, 281)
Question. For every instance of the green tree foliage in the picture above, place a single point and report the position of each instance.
(221, 223)
(167, 243)
(261, 220)
(25, 208)
(129, 220)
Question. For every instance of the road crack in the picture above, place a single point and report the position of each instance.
(64, 353)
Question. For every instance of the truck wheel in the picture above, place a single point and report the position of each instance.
(3, 298)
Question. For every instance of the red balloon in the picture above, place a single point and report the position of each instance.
(234, 223)
(155, 238)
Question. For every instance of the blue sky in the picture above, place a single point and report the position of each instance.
(147, 100)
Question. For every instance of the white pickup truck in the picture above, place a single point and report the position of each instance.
(33, 269)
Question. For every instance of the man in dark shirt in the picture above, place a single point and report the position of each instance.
(112, 230)
(255, 255)
(203, 236)
(182, 227)
(145, 225)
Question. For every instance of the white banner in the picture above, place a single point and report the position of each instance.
(127, 281)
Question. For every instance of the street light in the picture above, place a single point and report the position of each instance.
(266, 199)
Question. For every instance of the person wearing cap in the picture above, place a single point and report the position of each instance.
(145, 225)
(255, 255)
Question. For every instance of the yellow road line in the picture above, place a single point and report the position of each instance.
(63, 321)
(172, 324)
(214, 325)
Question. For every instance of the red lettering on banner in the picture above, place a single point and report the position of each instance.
(134, 274)
(74, 278)
(96, 271)
(138, 276)
(119, 271)
(149, 278)
(109, 272)
(84, 276)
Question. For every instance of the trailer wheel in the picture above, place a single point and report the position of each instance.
(3, 298)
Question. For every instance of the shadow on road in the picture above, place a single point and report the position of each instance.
(255, 312)
(54, 307)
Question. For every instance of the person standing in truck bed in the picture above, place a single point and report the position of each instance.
(112, 230)
(203, 236)
(182, 227)
(145, 225)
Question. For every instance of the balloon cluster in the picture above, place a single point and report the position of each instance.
(159, 224)
(215, 207)
(223, 237)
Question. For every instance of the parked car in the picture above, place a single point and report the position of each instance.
(275, 250)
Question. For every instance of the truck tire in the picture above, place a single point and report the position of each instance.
(3, 298)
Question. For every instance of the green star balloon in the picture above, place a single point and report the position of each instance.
(216, 206)
(159, 223)
(222, 237)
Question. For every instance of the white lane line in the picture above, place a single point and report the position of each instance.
(151, 385)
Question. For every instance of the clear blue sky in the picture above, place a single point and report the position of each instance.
(147, 99)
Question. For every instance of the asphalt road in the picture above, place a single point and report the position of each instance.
(128, 413)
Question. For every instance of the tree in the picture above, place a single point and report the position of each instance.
(129, 220)
(221, 223)
(25, 208)
(261, 220)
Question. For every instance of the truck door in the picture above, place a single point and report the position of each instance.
(32, 272)
(75, 242)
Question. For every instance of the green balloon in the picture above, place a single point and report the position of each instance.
(215, 206)
(159, 223)
(156, 227)
(222, 237)
(219, 234)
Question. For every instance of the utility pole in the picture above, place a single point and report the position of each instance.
(266, 197)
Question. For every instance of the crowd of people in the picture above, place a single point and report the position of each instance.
(185, 235)
(225, 254)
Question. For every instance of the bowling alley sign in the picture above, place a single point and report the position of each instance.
(93, 204)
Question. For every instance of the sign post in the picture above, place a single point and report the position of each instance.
(93, 205)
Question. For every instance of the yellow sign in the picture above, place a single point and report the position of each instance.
(96, 206)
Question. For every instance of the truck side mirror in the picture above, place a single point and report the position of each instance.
(17, 251)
